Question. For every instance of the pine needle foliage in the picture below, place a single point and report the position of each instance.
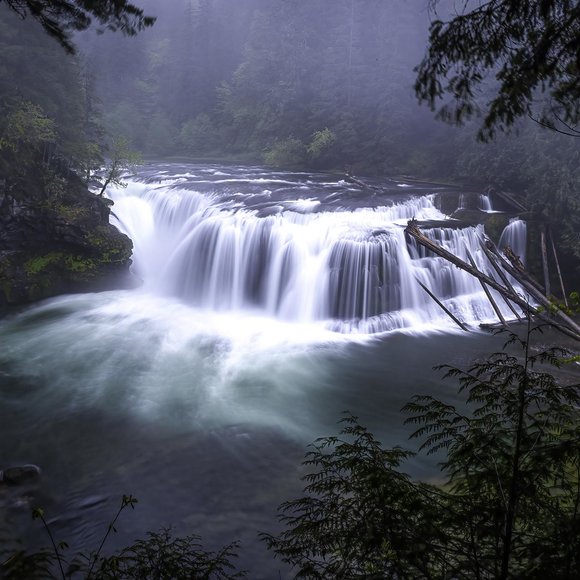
(527, 49)
(510, 503)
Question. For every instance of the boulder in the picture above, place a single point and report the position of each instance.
(20, 474)
(57, 239)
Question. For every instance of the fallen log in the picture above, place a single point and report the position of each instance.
(443, 307)
(365, 186)
(531, 286)
(543, 300)
(516, 271)
(518, 266)
(413, 230)
(570, 328)
(508, 198)
(487, 292)
(503, 277)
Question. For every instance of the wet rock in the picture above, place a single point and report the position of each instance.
(20, 474)
(57, 241)
(270, 210)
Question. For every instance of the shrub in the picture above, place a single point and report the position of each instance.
(510, 505)
(287, 153)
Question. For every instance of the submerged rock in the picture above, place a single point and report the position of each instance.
(20, 474)
(56, 238)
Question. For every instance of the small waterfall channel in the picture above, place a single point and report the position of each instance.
(514, 236)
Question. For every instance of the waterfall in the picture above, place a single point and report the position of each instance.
(301, 260)
(514, 235)
(270, 303)
(485, 203)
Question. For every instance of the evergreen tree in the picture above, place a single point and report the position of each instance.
(530, 49)
(38, 81)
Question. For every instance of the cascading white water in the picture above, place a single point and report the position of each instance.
(297, 259)
(485, 203)
(252, 333)
(514, 235)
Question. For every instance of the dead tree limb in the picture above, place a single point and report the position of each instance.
(487, 292)
(502, 275)
(508, 198)
(558, 267)
(424, 241)
(526, 282)
(570, 328)
(517, 265)
(443, 307)
(545, 261)
(531, 286)
(365, 186)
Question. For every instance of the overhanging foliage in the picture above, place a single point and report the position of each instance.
(530, 50)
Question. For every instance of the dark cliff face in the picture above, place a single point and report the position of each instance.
(55, 238)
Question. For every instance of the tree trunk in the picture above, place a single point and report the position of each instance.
(558, 267)
(545, 261)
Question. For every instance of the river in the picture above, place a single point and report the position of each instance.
(268, 304)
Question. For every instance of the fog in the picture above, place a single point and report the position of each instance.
(261, 79)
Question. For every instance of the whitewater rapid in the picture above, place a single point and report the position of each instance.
(297, 249)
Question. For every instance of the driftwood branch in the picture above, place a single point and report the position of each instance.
(443, 307)
(558, 270)
(567, 326)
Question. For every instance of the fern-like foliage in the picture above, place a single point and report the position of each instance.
(164, 557)
(512, 462)
(510, 503)
(361, 516)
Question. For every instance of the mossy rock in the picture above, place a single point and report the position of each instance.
(448, 201)
(109, 248)
(494, 225)
(58, 243)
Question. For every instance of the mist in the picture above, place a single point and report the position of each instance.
(321, 84)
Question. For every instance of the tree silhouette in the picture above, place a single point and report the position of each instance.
(61, 18)
(530, 49)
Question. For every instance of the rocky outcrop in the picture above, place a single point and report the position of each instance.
(55, 238)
